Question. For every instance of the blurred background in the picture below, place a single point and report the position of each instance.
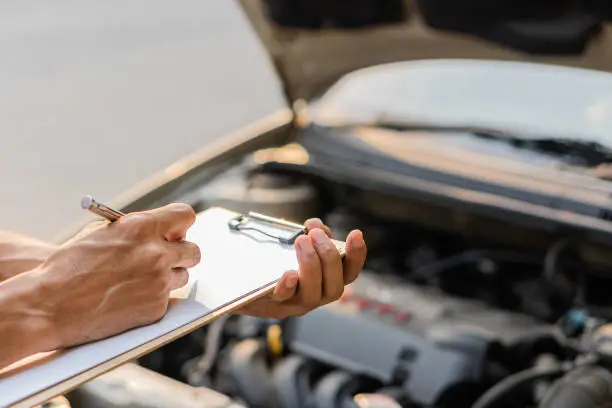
(483, 187)
(96, 96)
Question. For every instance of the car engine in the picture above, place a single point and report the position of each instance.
(436, 319)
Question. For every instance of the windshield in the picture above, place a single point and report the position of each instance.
(530, 100)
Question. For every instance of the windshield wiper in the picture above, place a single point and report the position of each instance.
(578, 151)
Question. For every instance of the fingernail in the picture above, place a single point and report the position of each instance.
(359, 241)
(319, 237)
(299, 242)
(198, 255)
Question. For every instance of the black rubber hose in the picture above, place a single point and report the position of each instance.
(337, 389)
(504, 392)
(248, 367)
(197, 371)
(292, 377)
(584, 387)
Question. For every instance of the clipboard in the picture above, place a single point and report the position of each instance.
(243, 258)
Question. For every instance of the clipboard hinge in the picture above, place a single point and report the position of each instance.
(239, 223)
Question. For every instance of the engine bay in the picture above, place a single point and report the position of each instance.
(441, 316)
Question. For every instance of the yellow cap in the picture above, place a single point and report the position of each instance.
(275, 339)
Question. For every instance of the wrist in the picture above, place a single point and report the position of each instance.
(27, 325)
(23, 256)
(43, 306)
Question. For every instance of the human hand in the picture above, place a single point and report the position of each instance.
(114, 277)
(322, 274)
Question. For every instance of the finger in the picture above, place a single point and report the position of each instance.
(315, 223)
(178, 278)
(331, 264)
(355, 257)
(173, 220)
(286, 287)
(184, 254)
(309, 291)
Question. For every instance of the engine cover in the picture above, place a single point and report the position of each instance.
(399, 333)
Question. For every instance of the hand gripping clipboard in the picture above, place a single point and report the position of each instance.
(243, 257)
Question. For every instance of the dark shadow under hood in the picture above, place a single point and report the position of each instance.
(313, 43)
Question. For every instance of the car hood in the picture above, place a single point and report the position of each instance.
(314, 43)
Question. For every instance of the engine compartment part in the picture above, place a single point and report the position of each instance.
(450, 310)
(428, 344)
(599, 7)
(585, 387)
(536, 27)
(244, 190)
(57, 402)
(132, 386)
(313, 14)
(506, 391)
(375, 401)
(543, 27)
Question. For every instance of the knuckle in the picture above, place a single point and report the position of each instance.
(328, 252)
(310, 255)
(156, 254)
(182, 210)
(137, 224)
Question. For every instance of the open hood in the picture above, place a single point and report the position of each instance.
(312, 43)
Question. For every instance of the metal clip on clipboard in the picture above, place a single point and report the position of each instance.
(284, 231)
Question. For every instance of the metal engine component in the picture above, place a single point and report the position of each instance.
(132, 386)
(395, 332)
(273, 194)
(375, 401)
(293, 377)
(584, 387)
(601, 342)
(336, 389)
(248, 369)
(57, 402)
(440, 318)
